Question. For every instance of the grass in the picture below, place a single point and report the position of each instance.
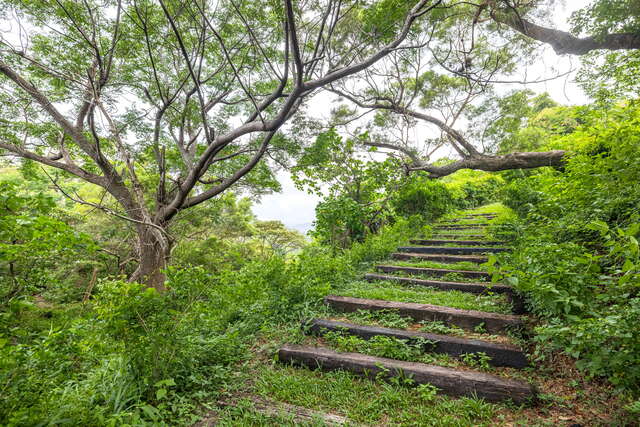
(391, 291)
(449, 277)
(371, 402)
(470, 266)
(378, 403)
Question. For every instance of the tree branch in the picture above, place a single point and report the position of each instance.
(524, 160)
(564, 42)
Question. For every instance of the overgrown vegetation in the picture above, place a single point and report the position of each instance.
(137, 287)
(577, 257)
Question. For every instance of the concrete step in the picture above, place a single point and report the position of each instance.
(418, 271)
(412, 256)
(430, 242)
(450, 381)
(451, 250)
(500, 354)
(466, 319)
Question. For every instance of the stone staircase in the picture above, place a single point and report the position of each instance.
(462, 239)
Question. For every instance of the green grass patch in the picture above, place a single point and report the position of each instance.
(390, 291)
(470, 266)
(367, 401)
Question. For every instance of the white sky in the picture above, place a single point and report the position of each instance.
(296, 209)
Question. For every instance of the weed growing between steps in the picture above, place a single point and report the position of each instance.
(392, 291)
(469, 266)
(448, 277)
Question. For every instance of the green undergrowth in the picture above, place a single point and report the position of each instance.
(369, 401)
(134, 356)
(391, 291)
(577, 256)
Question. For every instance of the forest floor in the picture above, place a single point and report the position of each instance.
(290, 381)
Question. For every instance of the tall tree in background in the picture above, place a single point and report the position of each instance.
(167, 104)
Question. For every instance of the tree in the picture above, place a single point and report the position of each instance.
(439, 83)
(613, 24)
(605, 34)
(165, 105)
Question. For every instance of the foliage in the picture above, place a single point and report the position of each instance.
(577, 259)
(424, 197)
(135, 356)
(609, 76)
(35, 243)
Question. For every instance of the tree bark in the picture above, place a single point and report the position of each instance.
(564, 42)
(524, 160)
(153, 247)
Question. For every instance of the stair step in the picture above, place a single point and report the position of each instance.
(430, 242)
(500, 354)
(481, 214)
(465, 218)
(455, 236)
(472, 225)
(459, 227)
(439, 258)
(450, 250)
(474, 288)
(467, 319)
(516, 300)
(450, 381)
(433, 271)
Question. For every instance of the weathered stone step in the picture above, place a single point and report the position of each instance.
(450, 381)
(429, 242)
(439, 258)
(419, 271)
(450, 250)
(474, 288)
(500, 354)
(467, 319)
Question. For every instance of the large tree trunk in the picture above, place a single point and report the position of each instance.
(153, 250)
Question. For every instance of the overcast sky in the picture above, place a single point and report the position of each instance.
(296, 209)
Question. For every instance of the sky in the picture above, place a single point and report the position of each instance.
(296, 209)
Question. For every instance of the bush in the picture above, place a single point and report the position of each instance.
(577, 257)
(430, 199)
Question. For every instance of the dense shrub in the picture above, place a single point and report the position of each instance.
(134, 356)
(37, 249)
(422, 196)
(578, 257)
